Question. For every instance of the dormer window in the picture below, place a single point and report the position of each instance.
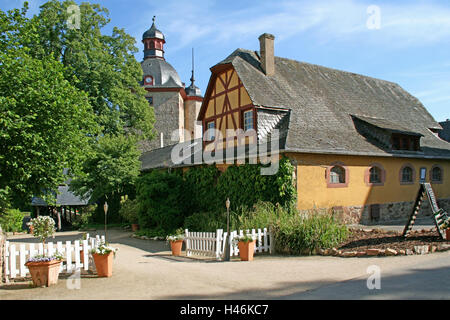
(405, 142)
(148, 80)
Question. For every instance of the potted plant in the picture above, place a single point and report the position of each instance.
(103, 258)
(44, 269)
(246, 245)
(176, 242)
(129, 211)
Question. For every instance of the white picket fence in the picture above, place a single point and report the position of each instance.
(15, 258)
(212, 244)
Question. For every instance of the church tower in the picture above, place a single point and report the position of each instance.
(176, 108)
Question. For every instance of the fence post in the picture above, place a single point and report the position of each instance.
(186, 236)
(271, 241)
(2, 257)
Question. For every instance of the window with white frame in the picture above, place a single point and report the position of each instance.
(248, 120)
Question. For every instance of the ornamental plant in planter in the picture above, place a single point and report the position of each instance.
(44, 269)
(129, 211)
(103, 259)
(246, 245)
(176, 243)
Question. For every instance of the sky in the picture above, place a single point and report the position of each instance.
(406, 42)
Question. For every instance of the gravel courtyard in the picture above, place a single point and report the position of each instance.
(145, 269)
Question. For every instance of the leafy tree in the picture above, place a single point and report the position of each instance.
(101, 65)
(104, 68)
(112, 168)
(45, 124)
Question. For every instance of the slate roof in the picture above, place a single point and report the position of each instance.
(322, 102)
(63, 198)
(164, 75)
(445, 133)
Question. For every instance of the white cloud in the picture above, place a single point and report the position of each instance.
(408, 24)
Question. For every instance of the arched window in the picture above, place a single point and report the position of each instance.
(375, 175)
(407, 174)
(337, 175)
(436, 174)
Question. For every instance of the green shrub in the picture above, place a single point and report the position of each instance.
(303, 234)
(11, 220)
(151, 233)
(85, 218)
(205, 222)
(129, 210)
(160, 196)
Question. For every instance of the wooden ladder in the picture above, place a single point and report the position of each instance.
(439, 215)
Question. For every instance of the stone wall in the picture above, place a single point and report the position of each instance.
(388, 212)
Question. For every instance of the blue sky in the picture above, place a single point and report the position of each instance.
(409, 46)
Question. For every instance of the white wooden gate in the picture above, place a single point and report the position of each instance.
(213, 244)
(15, 258)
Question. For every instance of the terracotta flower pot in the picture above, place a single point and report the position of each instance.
(103, 264)
(134, 227)
(176, 247)
(246, 250)
(31, 229)
(447, 234)
(82, 256)
(44, 273)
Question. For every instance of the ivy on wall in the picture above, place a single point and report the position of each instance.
(166, 198)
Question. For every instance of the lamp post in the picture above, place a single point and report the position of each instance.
(227, 244)
(105, 208)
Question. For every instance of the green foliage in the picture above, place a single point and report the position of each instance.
(303, 234)
(83, 219)
(160, 195)
(244, 185)
(152, 233)
(102, 65)
(44, 125)
(129, 210)
(11, 220)
(205, 222)
(200, 185)
(64, 90)
(111, 170)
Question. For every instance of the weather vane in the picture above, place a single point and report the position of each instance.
(154, 17)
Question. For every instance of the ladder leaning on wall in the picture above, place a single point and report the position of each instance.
(439, 215)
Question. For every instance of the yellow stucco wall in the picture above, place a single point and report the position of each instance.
(313, 191)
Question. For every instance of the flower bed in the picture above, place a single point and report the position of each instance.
(377, 242)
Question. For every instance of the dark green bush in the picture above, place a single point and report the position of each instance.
(161, 201)
(205, 222)
(84, 218)
(129, 210)
(11, 220)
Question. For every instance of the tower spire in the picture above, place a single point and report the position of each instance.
(192, 77)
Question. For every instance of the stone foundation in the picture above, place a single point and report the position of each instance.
(388, 212)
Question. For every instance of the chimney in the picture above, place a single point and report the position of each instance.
(267, 53)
